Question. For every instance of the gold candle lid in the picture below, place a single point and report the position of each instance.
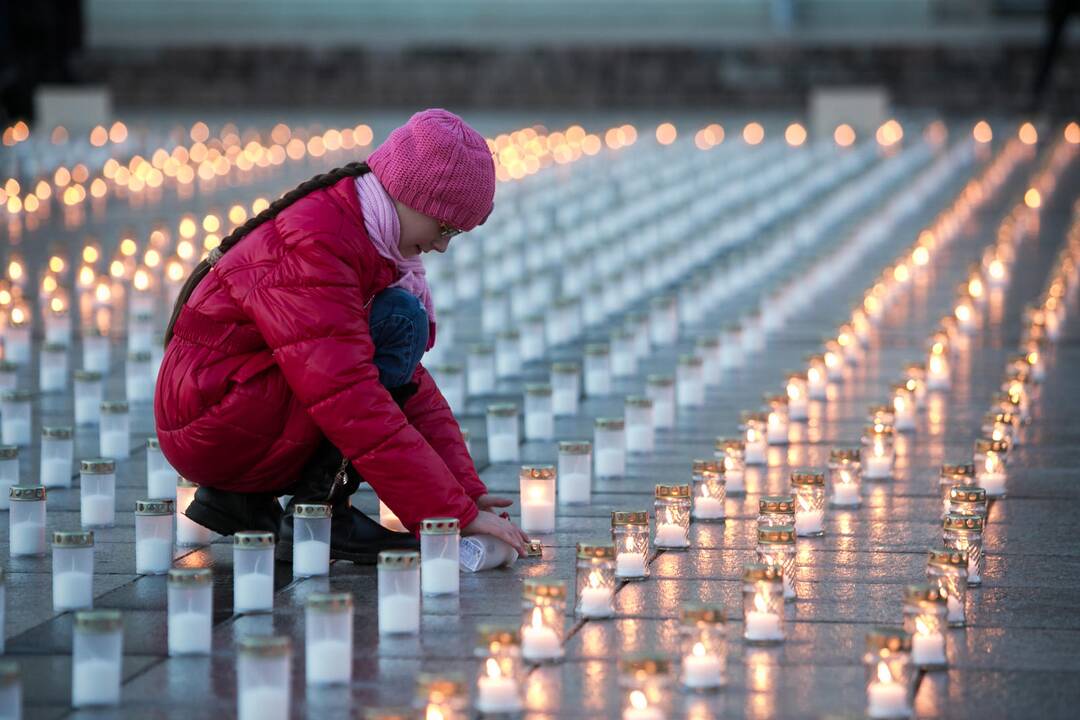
(510, 334)
(839, 455)
(139, 356)
(565, 368)
(98, 621)
(56, 433)
(958, 470)
(691, 360)
(967, 493)
(694, 613)
(879, 429)
(330, 602)
(673, 491)
(727, 443)
(312, 510)
(503, 409)
(534, 549)
(776, 535)
(629, 517)
(439, 526)
(98, 466)
(532, 588)
(984, 445)
(886, 638)
(190, 576)
(639, 401)
(9, 452)
(923, 592)
(575, 447)
(114, 406)
(660, 380)
(538, 389)
(439, 688)
(644, 666)
(481, 349)
(448, 369)
(709, 341)
(776, 504)
(489, 634)
(700, 466)
(253, 540)
(6, 366)
(775, 400)
(609, 423)
(748, 416)
(537, 472)
(9, 672)
(756, 572)
(963, 521)
(265, 646)
(26, 492)
(598, 550)
(17, 395)
(793, 376)
(73, 539)
(947, 556)
(597, 349)
(154, 507)
(399, 559)
(808, 478)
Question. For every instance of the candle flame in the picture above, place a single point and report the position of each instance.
(629, 545)
(433, 713)
(57, 305)
(705, 490)
(761, 604)
(493, 669)
(883, 673)
(141, 280)
(594, 580)
(813, 375)
(899, 404)
(699, 650)
(537, 618)
(793, 391)
(921, 627)
(638, 700)
(536, 493)
(989, 464)
(17, 315)
(804, 504)
(86, 276)
(845, 477)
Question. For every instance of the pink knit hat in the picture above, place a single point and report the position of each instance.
(439, 166)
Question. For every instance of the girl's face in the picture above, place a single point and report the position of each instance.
(419, 233)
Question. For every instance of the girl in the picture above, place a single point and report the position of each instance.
(292, 356)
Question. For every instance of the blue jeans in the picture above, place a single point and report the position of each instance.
(399, 329)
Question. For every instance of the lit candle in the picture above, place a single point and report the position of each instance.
(702, 669)
(878, 459)
(937, 372)
(707, 507)
(798, 396)
(887, 698)
(762, 623)
(927, 647)
(755, 446)
(808, 520)
(596, 598)
(497, 693)
(537, 512)
(540, 642)
(903, 408)
(639, 708)
(777, 423)
(845, 491)
(671, 503)
(817, 383)
(629, 563)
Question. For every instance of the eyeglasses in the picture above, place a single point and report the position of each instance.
(448, 231)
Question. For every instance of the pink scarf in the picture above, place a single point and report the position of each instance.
(384, 229)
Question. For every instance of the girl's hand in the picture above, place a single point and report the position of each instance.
(486, 502)
(487, 523)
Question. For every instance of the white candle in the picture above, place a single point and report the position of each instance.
(663, 413)
(153, 556)
(98, 510)
(708, 508)
(253, 591)
(878, 467)
(574, 488)
(993, 483)
(755, 453)
(809, 522)
(502, 448)
(629, 565)
(640, 709)
(734, 480)
(671, 535)
(610, 462)
(539, 426)
(797, 408)
(328, 662)
(189, 532)
(640, 438)
(27, 538)
(886, 697)
(497, 693)
(564, 401)
(538, 641)
(845, 494)
(399, 614)
(537, 516)
(189, 633)
(595, 600)
(56, 472)
(264, 702)
(904, 414)
(439, 576)
(956, 609)
(161, 485)
(87, 410)
(72, 590)
(701, 669)
(777, 432)
(115, 444)
(763, 626)
(311, 557)
(817, 385)
(96, 682)
(16, 431)
(928, 648)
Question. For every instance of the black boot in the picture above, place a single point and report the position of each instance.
(230, 512)
(353, 535)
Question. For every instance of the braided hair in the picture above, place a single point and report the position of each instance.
(318, 182)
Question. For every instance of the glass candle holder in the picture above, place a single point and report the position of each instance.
(139, 377)
(776, 511)
(503, 433)
(999, 427)
(915, 379)
(161, 476)
(53, 368)
(753, 427)
(439, 545)
(263, 677)
(26, 520)
(690, 381)
(58, 323)
(703, 646)
(480, 369)
(498, 688)
(253, 572)
(661, 390)
(597, 369)
(537, 486)
(191, 611)
(11, 703)
(849, 344)
(399, 592)
(967, 500)
(543, 606)
(388, 519)
(507, 353)
(533, 344)
(777, 424)
(817, 378)
(494, 312)
(964, 533)
(776, 547)
(946, 569)
(990, 466)
(115, 430)
(96, 655)
(646, 686)
(878, 452)
(903, 405)
(762, 604)
(9, 472)
(937, 368)
(882, 415)
(640, 431)
(609, 441)
(9, 375)
(663, 320)
(89, 391)
(73, 570)
(595, 580)
(452, 384)
(798, 396)
(953, 474)
(672, 508)
(630, 535)
(95, 351)
(440, 696)
(153, 536)
(17, 341)
(328, 638)
(623, 356)
(57, 456)
(808, 487)
(889, 673)
(539, 416)
(575, 472)
(845, 476)
(141, 332)
(97, 492)
(708, 347)
(709, 491)
(188, 532)
(311, 539)
(834, 361)
(926, 620)
(15, 417)
(565, 388)
(732, 453)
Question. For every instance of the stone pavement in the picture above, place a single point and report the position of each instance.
(1013, 659)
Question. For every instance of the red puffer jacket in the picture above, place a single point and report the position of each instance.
(272, 351)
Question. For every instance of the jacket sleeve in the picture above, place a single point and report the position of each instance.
(428, 412)
(312, 311)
